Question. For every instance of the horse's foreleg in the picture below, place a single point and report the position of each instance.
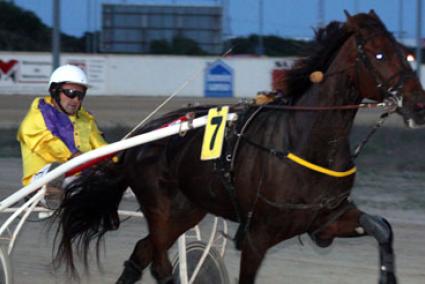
(254, 248)
(355, 223)
(381, 230)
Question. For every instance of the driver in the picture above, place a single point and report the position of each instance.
(57, 128)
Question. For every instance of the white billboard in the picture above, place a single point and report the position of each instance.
(29, 73)
(137, 75)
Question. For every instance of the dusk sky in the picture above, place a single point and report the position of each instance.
(286, 18)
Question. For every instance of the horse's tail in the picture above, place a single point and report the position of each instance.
(89, 210)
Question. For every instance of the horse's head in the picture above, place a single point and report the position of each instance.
(382, 71)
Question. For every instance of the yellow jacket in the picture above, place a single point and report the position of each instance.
(48, 135)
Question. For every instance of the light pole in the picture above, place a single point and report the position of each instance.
(321, 14)
(418, 37)
(400, 20)
(356, 6)
(95, 31)
(56, 34)
(88, 36)
(260, 50)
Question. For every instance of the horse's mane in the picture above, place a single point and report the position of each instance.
(326, 43)
(372, 23)
(325, 46)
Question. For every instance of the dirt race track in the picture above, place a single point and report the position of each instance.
(390, 183)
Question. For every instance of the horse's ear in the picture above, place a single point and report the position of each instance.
(351, 25)
(347, 14)
(373, 14)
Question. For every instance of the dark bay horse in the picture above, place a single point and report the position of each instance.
(291, 172)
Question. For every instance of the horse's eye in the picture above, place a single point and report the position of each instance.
(410, 58)
(379, 56)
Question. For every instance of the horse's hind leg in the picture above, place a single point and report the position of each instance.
(139, 260)
(164, 230)
(355, 223)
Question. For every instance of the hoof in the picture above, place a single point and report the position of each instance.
(168, 280)
(321, 242)
(388, 278)
(131, 274)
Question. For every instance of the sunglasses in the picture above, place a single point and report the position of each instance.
(70, 93)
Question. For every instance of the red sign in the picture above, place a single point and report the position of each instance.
(278, 79)
(5, 67)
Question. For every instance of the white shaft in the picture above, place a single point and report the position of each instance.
(103, 151)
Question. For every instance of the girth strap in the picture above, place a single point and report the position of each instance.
(224, 167)
(225, 175)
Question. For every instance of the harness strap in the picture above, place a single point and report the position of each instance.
(322, 202)
(301, 161)
(318, 168)
(225, 175)
(378, 124)
(334, 216)
(224, 167)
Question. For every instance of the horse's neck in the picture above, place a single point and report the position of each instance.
(323, 136)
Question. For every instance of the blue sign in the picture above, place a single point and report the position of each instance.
(218, 80)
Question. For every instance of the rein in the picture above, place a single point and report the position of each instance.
(389, 87)
(305, 163)
(300, 161)
(327, 108)
(361, 145)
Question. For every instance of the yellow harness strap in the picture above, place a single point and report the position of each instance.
(320, 169)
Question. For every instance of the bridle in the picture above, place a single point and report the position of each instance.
(390, 93)
(392, 100)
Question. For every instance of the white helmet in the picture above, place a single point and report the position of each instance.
(68, 74)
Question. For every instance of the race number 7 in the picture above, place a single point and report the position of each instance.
(212, 144)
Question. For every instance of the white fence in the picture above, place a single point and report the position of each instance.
(139, 75)
(110, 74)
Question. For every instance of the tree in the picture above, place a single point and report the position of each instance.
(183, 45)
(160, 46)
(179, 45)
(273, 45)
(22, 30)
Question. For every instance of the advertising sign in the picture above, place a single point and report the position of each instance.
(30, 74)
(218, 80)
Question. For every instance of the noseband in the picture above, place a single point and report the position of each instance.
(390, 93)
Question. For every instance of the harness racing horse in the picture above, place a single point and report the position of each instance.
(291, 171)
